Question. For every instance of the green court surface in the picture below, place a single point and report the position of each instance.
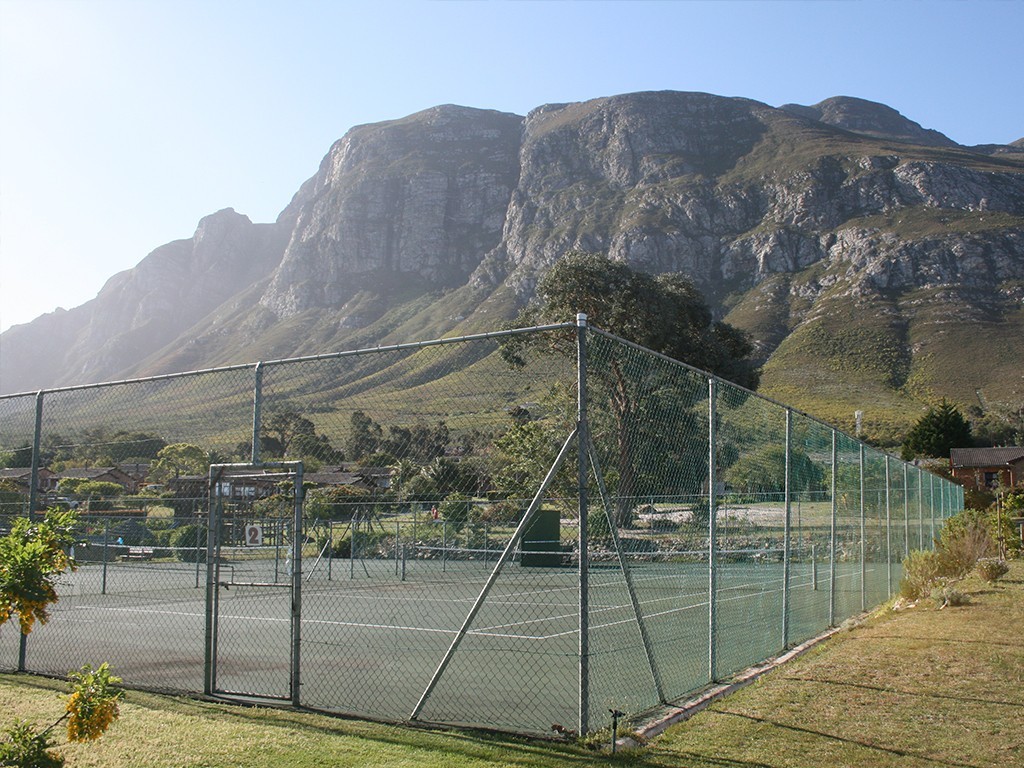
(374, 631)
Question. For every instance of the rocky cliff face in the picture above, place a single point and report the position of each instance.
(144, 308)
(799, 223)
(418, 199)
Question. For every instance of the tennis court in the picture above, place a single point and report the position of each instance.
(373, 631)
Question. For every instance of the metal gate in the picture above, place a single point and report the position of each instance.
(254, 580)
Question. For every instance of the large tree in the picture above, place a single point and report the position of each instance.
(665, 313)
(941, 428)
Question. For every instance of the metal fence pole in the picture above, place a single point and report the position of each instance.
(786, 552)
(906, 510)
(888, 529)
(712, 530)
(832, 536)
(582, 441)
(33, 489)
(863, 539)
(921, 509)
(931, 505)
(106, 543)
(296, 576)
(257, 407)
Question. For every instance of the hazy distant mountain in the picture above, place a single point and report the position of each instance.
(874, 261)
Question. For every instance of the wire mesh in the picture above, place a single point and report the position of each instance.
(421, 591)
(649, 527)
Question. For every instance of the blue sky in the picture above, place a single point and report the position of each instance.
(123, 123)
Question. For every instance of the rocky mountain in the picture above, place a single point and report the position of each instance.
(876, 263)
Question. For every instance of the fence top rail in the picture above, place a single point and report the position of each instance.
(289, 360)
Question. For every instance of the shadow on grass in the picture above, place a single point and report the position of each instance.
(949, 640)
(475, 744)
(898, 692)
(844, 740)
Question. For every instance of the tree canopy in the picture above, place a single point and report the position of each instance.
(943, 427)
(665, 313)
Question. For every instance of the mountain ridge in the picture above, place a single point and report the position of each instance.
(785, 217)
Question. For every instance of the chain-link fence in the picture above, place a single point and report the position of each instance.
(510, 530)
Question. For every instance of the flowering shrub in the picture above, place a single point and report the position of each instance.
(93, 703)
(32, 556)
(90, 710)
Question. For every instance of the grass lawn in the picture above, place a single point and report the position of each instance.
(915, 687)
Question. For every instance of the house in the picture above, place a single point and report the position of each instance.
(987, 468)
(22, 477)
(98, 474)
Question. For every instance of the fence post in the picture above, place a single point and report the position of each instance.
(863, 539)
(888, 530)
(106, 543)
(832, 536)
(931, 504)
(296, 586)
(786, 554)
(583, 440)
(712, 530)
(257, 407)
(32, 503)
(33, 489)
(906, 510)
(920, 508)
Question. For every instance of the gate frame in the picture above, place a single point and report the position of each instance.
(213, 536)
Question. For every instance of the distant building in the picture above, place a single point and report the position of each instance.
(98, 474)
(987, 468)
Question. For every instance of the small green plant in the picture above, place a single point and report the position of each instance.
(991, 569)
(24, 748)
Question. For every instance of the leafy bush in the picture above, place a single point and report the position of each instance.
(455, 510)
(966, 538)
(190, 541)
(90, 710)
(922, 572)
(991, 569)
(598, 530)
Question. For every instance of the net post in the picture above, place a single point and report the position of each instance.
(582, 444)
(712, 530)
